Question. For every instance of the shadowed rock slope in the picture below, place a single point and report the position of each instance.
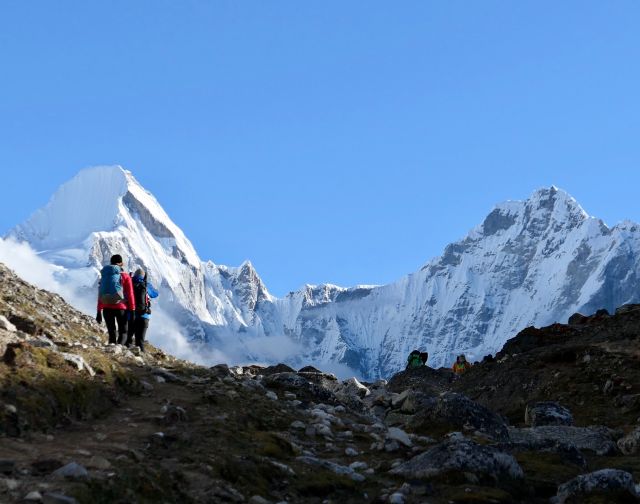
(553, 416)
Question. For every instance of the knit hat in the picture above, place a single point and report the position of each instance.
(116, 259)
(139, 273)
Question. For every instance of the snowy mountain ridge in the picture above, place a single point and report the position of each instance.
(529, 262)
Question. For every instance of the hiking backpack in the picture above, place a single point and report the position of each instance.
(414, 359)
(140, 295)
(110, 291)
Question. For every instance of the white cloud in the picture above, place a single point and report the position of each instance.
(26, 263)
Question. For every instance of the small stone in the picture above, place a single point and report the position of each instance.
(298, 425)
(391, 446)
(272, 395)
(146, 385)
(323, 430)
(100, 436)
(310, 431)
(99, 463)
(11, 409)
(72, 470)
(34, 496)
(289, 395)
(399, 435)
(160, 379)
(351, 452)
(396, 498)
(10, 484)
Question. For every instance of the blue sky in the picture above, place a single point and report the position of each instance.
(343, 142)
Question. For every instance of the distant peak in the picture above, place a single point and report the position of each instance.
(547, 204)
(247, 265)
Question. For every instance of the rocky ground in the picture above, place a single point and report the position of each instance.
(554, 416)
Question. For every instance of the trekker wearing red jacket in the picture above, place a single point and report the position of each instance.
(115, 299)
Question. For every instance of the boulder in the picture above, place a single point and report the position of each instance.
(332, 466)
(301, 386)
(167, 375)
(463, 459)
(351, 389)
(547, 413)
(278, 368)
(424, 378)
(630, 444)
(72, 470)
(396, 434)
(6, 325)
(452, 411)
(613, 485)
(627, 308)
(78, 362)
(598, 440)
(578, 319)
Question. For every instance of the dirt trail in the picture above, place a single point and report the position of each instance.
(100, 445)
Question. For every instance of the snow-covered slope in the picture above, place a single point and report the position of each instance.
(530, 262)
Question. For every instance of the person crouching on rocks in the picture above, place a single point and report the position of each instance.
(115, 299)
(143, 291)
(417, 359)
(461, 365)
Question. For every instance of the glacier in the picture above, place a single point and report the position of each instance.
(531, 262)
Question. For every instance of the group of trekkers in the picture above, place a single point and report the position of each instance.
(417, 359)
(124, 303)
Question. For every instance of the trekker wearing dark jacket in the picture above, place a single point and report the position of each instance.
(142, 292)
(115, 299)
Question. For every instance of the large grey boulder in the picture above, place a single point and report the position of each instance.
(454, 412)
(331, 466)
(547, 413)
(301, 386)
(599, 440)
(463, 458)
(613, 485)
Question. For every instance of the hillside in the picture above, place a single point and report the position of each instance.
(81, 421)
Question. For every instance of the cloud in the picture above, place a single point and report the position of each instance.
(28, 265)
(166, 333)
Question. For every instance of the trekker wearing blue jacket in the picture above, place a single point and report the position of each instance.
(143, 291)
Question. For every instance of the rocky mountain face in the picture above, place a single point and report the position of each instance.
(530, 262)
(554, 417)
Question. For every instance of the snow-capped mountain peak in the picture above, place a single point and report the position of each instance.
(528, 262)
